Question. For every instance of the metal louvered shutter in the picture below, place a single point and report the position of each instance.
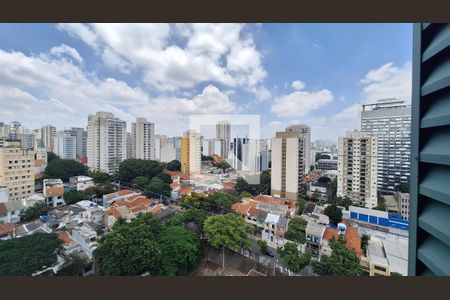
(429, 249)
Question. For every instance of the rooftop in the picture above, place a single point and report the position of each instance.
(315, 229)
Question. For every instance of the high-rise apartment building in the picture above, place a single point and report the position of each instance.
(238, 155)
(81, 141)
(16, 169)
(305, 134)
(191, 153)
(66, 144)
(130, 146)
(16, 131)
(143, 133)
(288, 163)
(223, 132)
(390, 121)
(106, 145)
(47, 134)
(168, 152)
(357, 168)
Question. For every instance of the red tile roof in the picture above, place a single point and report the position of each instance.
(113, 212)
(253, 212)
(352, 239)
(64, 237)
(185, 189)
(6, 228)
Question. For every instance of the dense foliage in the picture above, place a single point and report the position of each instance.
(255, 189)
(223, 165)
(131, 168)
(101, 177)
(217, 202)
(334, 213)
(99, 190)
(263, 246)
(35, 211)
(341, 201)
(296, 230)
(64, 169)
(144, 245)
(301, 205)
(228, 230)
(73, 196)
(295, 260)
(342, 262)
(29, 254)
(174, 165)
(157, 187)
(51, 156)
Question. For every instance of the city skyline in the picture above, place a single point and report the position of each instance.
(286, 73)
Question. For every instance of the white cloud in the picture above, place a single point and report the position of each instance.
(298, 85)
(63, 49)
(46, 89)
(219, 53)
(301, 103)
(388, 81)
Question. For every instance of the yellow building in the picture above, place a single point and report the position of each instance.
(190, 152)
(16, 170)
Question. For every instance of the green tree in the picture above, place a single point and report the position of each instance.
(223, 165)
(180, 250)
(263, 246)
(364, 242)
(395, 274)
(101, 177)
(64, 169)
(228, 230)
(381, 205)
(296, 230)
(192, 201)
(165, 177)
(174, 165)
(221, 199)
(33, 212)
(245, 194)
(243, 186)
(131, 248)
(99, 190)
(73, 196)
(197, 216)
(334, 213)
(51, 156)
(264, 183)
(29, 254)
(131, 168)
(158, 187)
(207, 158)
(295, 260)
(342, 262)
(141, 181)
(301, 203)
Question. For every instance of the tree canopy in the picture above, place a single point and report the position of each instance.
(295, 260)
(223, 165)
(334, 213)
(296, 230)
(174, 165)
(73, 196)
(144, 245)
(180, 250)
(141, 181)
(229, 230)
(51, 156)
(157, 187)
(342, 262)
(101, 177)
(35, 211)
(29, 254)
(131, 168)
(64, 169)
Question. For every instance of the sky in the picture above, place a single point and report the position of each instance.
(314, 74)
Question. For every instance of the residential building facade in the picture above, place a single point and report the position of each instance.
(143, 133)
(106, 142)
(357, 168)
(66, 145)
(191, 153)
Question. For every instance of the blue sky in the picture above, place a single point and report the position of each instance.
(317, 74)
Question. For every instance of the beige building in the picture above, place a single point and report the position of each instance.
(191, 152)
(357, 168)
(143, 139)
(305, 135)
(106, 144)
(17, 170)
(288, 163)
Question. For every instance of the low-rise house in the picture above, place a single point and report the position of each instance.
(13, 210)
(68, 216)
(109, 199)
(352, 240)
(323, 188)
(314, 233)
(129, 209)
(86, 238)
(53, 192)
(31, 227)
(82, 182)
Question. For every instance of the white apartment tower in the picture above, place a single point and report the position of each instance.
(143, 133)
(305, 134)
(66, 145)
(106, 142)
(357, 168)
(288, 164)
(223, 132)
(48, 133)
